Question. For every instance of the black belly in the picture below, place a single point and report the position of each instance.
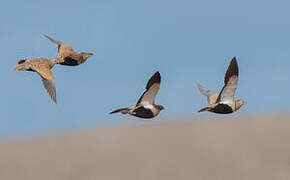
(142, 112)
(69, 62)
(222, 109)
(30, 70)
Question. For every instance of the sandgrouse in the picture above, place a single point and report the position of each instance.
(224, 102)
(145, 107)
(42, 67)
(67, 56)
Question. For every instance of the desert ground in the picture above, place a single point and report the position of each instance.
(225, 148)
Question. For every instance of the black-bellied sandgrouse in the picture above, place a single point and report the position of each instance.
(224, 102)
(42, 67)
(67, 56)
(145, 107)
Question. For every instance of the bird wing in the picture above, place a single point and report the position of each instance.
(50, 88)
(152, 88)
(226, 96)
(48, 81)
(64, 50)
(52, 40)
(211, 96)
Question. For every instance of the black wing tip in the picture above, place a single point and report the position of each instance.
(156, 77)
(234, 60)
(157, 73)
(233, 67)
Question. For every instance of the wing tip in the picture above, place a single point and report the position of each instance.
(54, 100)
(156, 77)
(234, 61)
(47, 37)
(50, 89)
(52, 96)
(233, 69)
(52, 40)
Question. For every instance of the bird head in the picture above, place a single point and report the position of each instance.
(239, 104)
(159, 107)
(86, 55)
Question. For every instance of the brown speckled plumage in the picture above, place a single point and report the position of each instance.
(67, 56)
(42, 67)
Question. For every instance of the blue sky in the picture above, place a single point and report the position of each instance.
(187, 41)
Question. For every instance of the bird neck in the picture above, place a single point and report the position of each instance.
(52, 62)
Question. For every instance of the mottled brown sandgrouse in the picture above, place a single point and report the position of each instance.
(67, 56)
(42, 67)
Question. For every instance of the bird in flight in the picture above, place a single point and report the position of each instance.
(145, 107)
(67, 56)
(42, 67)
(224, 102)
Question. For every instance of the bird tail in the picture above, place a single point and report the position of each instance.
(52, 40)
(204, 109)
(122, 110)
(19, 67)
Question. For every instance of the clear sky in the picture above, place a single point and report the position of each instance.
(186, 40)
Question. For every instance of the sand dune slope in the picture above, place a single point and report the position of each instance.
(226, 149)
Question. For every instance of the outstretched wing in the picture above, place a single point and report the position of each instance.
(211, 96)
(47, 80)
(227, 94)
(52, 40)
(152, 88)
(50, 88)
(64, 50)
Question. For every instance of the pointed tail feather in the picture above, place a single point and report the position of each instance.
(204, 109)
(122, 110)
(19, 67)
